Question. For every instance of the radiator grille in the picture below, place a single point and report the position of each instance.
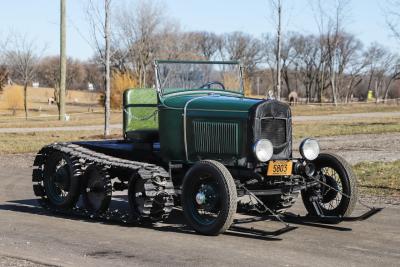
(216, 137)
(274, 130)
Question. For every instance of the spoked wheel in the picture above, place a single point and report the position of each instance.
(209, 197)
(336, 195)
(61, 180)
(97, 190)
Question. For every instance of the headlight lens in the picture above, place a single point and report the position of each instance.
(263, 149)
(309, 149)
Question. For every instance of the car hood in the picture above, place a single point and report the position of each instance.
(213, 102)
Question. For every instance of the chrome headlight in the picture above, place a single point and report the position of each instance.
(263, 149)
(309, 149)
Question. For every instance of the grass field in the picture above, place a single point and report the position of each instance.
(15, 143)
(379, 178)
(305, 110)
(351, 127)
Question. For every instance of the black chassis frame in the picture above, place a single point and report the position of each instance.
(254, 178)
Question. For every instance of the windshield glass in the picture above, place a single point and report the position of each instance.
(179, 76)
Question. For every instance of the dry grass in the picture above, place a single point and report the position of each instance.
(77, 101)
(379, 178)
(42, 120)
(40, 95)
(358, 126)
(305, 110)
(82, 106)
(12, 143)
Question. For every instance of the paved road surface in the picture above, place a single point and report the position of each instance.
(28, 233)
(335, 117)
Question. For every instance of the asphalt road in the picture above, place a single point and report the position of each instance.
(30, 236)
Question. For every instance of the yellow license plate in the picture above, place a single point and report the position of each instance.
(280, 167)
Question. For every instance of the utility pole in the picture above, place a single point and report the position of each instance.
(278, 54)
(107, 67)
(63, 61)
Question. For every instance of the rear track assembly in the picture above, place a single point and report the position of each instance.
(158, 186)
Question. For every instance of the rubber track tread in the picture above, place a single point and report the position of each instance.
(158, 185)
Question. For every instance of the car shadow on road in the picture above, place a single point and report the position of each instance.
(175, 223)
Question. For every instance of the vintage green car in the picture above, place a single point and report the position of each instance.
(213, 147)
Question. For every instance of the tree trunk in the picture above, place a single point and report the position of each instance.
(63, 64)
(278, 56)
(377, 91)
(333, 86)
(321, 88)
(26, 100)
(107, 70)
(387, 87)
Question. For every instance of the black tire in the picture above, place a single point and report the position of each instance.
(219, 191)
(97, 189)
(137, 195)
(61, 176)
(149, 199)
(348, 183)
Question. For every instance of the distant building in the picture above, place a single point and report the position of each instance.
(35, 84)
(90, 86)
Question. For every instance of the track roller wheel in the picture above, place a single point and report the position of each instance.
(61, 180)
(97, 189)
(150, 199)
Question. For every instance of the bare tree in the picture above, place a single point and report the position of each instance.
(247, 49)
(139, 28)
(206, 43)
(289, 56)
(354, 77)
(392, 14)
(330, 18)
(269, 56)
(276, 6)
(383, 67)
(48, 73)
(4, 76)
(99, 20)
(23, 59)
(307, 63)
(4, 72)
(392, 75)
(244, 47)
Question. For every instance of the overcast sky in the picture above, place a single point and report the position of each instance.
(39, 19)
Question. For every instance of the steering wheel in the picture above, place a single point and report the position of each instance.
(208, 85)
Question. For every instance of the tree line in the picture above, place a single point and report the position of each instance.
(331, 66)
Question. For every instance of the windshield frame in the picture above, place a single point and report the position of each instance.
(160, 91)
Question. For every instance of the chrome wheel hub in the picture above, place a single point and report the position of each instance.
(200, 198)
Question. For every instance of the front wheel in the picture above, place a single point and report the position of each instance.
(337, 194)
(209, 197)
